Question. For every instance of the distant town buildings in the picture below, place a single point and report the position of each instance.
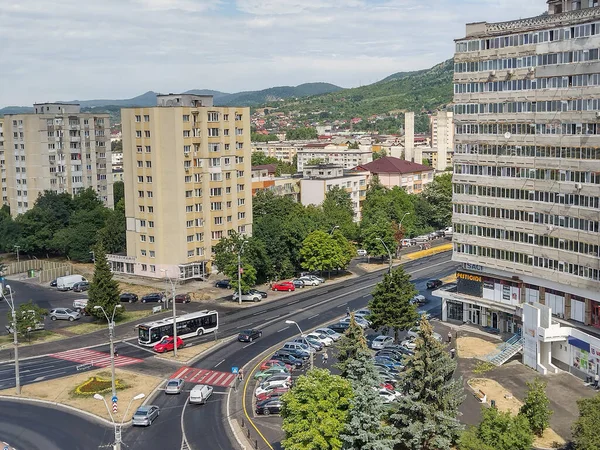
(56, 148)
(392, 172)
(337, 154)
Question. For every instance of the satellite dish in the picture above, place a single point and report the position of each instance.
(507, 135)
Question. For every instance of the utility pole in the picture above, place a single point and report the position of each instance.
(240, 273)
(389, 254)
(111, 337)
(168, 280)
(11, 305)
(17, 247)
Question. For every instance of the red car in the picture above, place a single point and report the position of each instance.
(274, 362)
(166, 344)
(284, 286)
(277, 392)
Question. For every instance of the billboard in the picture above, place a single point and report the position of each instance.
(469, 284)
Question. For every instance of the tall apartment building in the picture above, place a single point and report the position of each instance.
(442, 139)
(187, 174)
(56, 148)
(527, 184)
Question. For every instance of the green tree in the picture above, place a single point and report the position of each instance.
(380, 154)
(118, 192)
(346, 248)
(9, 230)
(365, 429)
(498, 431)
(259, 137)
(586, 433)
(315, 411)
(353, 145)
(248, 277)
(372, 234)
(352, 341)
(116, 146)
(438, 194)
(338, 212)
(536, 407)
(226, 252)
(426, 417)
(320, 252)
(29, 316)
(104, 290)
(315, 161)
(302, 133)
(113, 234)
(390, 306)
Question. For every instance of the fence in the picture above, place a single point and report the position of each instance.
(45, 271)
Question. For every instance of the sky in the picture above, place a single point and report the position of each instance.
(72, 49)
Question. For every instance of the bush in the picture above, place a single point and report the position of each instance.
(97, 385)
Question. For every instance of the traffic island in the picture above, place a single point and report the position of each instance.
(503, 399)
(62, 391)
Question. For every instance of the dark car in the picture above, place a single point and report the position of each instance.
(53, 283)
(154, 297)
(289, 359)
(397, 356)
(223, 284)
(339, 327)
(128, 297)
(298, 283)
(399, 349)
(263, 294)
(269, 406)
(81, 286)
(249, 335)
(183, 298)
(432, 284)
(296, 353)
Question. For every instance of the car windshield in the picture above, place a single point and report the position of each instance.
(68, 311)
(173, 383)
(246, 332)
(141, 412)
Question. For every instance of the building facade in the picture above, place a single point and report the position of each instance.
(187, 184)
(527, 182)
(392, 172)
(283, 151)
(337, 154)
(442, 140)
(57, 148)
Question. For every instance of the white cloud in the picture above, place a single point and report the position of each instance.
(122, 48)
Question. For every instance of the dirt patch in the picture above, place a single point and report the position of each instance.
(188, 352)
(374, 266)
(138, 289)
(473, 347)
(60, 391)
(506, 402)
(87, 270)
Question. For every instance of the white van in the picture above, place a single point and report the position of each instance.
(448, 231)
(66, 283)
(200, 393)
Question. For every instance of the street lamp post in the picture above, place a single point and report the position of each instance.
(111, 336)
(310, 352)
(389, 254)
(174, 313)
(17, 247)
(11, 305)
(240, 272)
(116, 425)
(400, 228)
(333, 229)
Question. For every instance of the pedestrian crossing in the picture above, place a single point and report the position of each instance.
(94, 358)
(204, 376)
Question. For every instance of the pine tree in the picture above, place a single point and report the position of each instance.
(427, 416)
(390, 306)
(365, 429)
(104, 290)
(536, 407)
(348, 346)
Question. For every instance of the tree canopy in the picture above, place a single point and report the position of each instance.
(498, 431)
(301, 133)
(104, 289)
(586, 433)
(536, 407)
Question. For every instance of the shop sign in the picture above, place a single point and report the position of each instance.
(475, 267)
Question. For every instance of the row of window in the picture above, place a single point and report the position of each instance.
(524, 172)
(528, 128)
(143, 238)
(555, 220)
(590, 104)
(592, 79)
(528, 238)
(528, 260)
(212, 116)
(534, 37)
(528, 151)
(545, 59)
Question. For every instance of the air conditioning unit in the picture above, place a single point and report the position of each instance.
(578, 186)
(532, 70)
(187, 169)
(492, 73)
(511, 71)
(597, 114)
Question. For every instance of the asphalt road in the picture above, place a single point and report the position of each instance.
(29, 426)
(205, 425)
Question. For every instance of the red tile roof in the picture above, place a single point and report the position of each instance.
(389, 164)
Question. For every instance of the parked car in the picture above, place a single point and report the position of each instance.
(263, 374)
(174, 386)
(183, 298)
(154, 297)
(282, 376)
(81, 286)
(433, 284)
(66, 283)
(53, 283)
(296, 353)
(269, 406)
(269, 386)
(288, 359)
(314, 277)
(339, 327)
(274, 363)
(393, 354)
(381, 341)
(223, 284)
(410, 344)
(249, 335)
(247, 297)
(80, 304)
(311, 343)
(448, 231)
(361, 252)
(399, 349)
(166, 344)
(128, 297)
(275, 393)
(407, 242)
(200, 393)
(388, 362)
(263, 294)
(321, 337)
(293, 345)
(422, 239)
(361, 322)
(413, 333)
(329, 333)
(362, 313)
(388, 396)
(418, 300)
(64, 314)
(309, 281)
(145, 415)
(284, 286)
(298, 283)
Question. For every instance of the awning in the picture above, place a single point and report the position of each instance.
(579, 343)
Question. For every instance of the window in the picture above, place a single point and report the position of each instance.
(152, 268)
(216, 235)
(187, 148)
(139, 149)
(147, 133)
(239, 159)
(142, 208)
(241, 201)
(142, 223)
(216, 206)
(138, 118)
(226, 132)
(239, 131)
(189, 223)
(213, 116)
(138, 134)
(140, 179)
(148, 164)
(146, 118)
(216, 177)
(186, 133)
(240, 187)
(143, 237)
(241, 215)
(143, 253)
(228, 219)
(225, 116)
(148, 149)
(188, 194)
(218, 220)
(215, 162)
(149, 193)
(186, 118)
(150, 209)
(238, 117)
(151, 238)
(144, 266)
(152, 253)
(141, 194)
(214, 147)
(148, 179)
(213, 132)
(214, 192)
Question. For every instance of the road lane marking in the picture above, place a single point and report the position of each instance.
(345, 304)
(283, 329)
(219, 363)
(312, 317)
(251, 343)
(245, 326)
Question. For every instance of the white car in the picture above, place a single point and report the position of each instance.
(389, 396)
(410, 344)
(381, 341)
(174, 386)
(361, 252)
(334, 335)
(414, 332)
(320, 337)
(314, 277)
(360, 321)
(309, 281)
(247, 297)
(270, 385)
(418, 300)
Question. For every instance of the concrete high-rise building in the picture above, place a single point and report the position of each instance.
(56, 148)
(527, 184)
(410, 154)
(442, 139)
(187, 174)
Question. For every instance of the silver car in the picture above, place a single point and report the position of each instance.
(309, 281)
(64, 314)
(145, 415)
(174, 386)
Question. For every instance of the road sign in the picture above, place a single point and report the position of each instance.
(235, 370)
(115, 399)
(114, 407)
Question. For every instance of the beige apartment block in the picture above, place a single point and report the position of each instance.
(56, 148)
(336, 154)
(187, 174)
(442, 140)
(283, 151)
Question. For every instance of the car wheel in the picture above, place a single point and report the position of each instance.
(52, 317)
(130, 301)
(199, 333)
(260, 379)
(71, 319)
(256, 299)
(289, 290)
(250, 340)
(266, 412)
(143, 300)
(260, 334)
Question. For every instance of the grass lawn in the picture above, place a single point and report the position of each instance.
(127, 316)
(36, 337)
